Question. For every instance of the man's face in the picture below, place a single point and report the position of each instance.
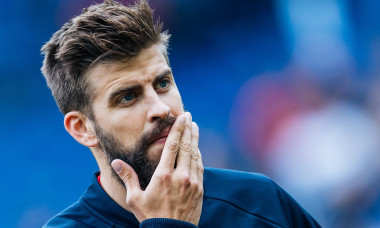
(134, 105)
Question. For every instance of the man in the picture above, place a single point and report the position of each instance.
(109, 72)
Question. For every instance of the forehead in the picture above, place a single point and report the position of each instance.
(142, 69)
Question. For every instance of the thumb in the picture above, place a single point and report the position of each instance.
(127, 174)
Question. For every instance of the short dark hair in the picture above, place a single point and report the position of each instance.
(103, 33)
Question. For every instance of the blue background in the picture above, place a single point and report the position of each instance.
(216, 48)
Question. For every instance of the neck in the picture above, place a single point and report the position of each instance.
(110, 185)
(113, 188)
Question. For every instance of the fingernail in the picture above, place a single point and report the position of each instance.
(182, 119)
(117, 167)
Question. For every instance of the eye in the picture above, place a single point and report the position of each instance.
(163, 84)
(127, 98)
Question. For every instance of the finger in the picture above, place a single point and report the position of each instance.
(194, 152)
(200, 169)
(170, 151)
(184, 152)
(128, 175)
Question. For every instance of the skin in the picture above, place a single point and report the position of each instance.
(174, 192)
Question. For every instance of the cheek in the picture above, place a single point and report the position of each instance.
(175, 103)
(126, 127)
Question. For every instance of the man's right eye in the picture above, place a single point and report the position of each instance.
(127, 98)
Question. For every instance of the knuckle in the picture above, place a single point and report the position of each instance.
(194, 157)
(186, 146)
(131, 202)
(201, 168)
(194, 185)
(126, 177)
(173, 146)
(186, 143)
(165, 177)
(179, 128)
(185, 180)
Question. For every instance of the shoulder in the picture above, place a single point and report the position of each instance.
(223, 182)
(75, 216)
(235, 174)
(255, 194)
(240, 188)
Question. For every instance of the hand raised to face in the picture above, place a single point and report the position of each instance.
(176, 188)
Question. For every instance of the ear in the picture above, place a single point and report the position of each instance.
(80, 128)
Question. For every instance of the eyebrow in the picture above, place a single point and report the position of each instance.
(123, 90)
(162, 75)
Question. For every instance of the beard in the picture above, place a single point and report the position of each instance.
(136, 156)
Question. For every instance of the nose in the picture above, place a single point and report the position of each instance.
(157, 109)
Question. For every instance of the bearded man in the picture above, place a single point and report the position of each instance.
(109, 72)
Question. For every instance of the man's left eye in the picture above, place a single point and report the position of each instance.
(163, 84)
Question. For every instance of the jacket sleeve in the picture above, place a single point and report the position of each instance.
(149, 223)
(165, 223)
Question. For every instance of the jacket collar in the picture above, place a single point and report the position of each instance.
(104, 207)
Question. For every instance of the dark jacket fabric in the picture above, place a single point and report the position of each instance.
(231, 199)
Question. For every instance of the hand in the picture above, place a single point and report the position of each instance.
(175, 193)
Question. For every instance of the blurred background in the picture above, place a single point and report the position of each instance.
(288, 88)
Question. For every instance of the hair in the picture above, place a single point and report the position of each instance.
(102, 33)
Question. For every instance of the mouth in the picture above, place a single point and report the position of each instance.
(161, 138)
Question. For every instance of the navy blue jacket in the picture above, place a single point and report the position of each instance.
(231, 199)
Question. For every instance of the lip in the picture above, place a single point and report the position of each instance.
(161, 137)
